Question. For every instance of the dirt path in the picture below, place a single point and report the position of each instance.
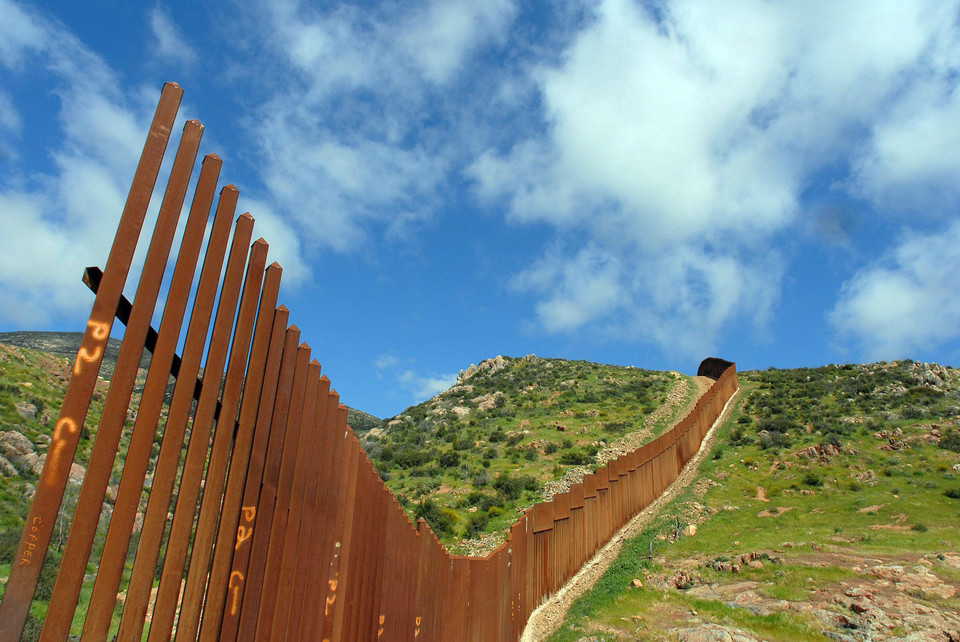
(549, 616)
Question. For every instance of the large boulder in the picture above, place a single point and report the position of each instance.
(14, 445)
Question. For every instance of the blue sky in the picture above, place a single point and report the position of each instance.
(624, 182)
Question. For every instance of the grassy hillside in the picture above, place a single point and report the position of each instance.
(31, 391)
(829, 508)
(508, 434)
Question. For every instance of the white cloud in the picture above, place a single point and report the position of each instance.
(695, 134)
(906, 302)
(62, 217)
(911, 163)
(438, 37)
(418, 386)
(20, 33)
(425, 387)
(168, 44)
(346, 152)
(679, 299)
(64, 220)
(10, 120)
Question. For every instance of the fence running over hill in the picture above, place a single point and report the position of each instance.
(281, 528)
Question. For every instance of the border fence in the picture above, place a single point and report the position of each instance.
(273, 522)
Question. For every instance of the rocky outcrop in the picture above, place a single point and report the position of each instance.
(491, 366)
(18, 451)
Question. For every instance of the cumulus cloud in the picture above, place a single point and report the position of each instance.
(907, 301)
(346, 147)
(418, 386)
(696, 129)
(168, 43)
(62, 215)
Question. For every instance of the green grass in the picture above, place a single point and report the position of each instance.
(865, 502)
(545, 416)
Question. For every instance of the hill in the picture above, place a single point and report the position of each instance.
(827, 508)
(511, 432)
(66, 344)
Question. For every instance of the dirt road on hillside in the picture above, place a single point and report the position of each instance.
(548, 618)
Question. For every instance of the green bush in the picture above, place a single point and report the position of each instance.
(950, 440)
(440, 520)
(477, 523)
(575, 458)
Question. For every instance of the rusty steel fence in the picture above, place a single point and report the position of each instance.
(272, 521)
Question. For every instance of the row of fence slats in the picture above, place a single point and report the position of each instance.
(258, 389)
(296, 537)
(42, 515)
(90, 502)
(127, 500)
(148, 413)
(219, 455)
(178, 542)
(165, 471)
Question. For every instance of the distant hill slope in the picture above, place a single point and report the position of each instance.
(66, 344)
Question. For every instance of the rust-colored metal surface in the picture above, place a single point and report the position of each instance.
(25, 568)
(296, 536)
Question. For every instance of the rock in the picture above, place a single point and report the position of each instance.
(14, 445)
(492, 366)
(682, 580)
(26, 410)
(711, 633)
(6, 468)
(636, 583)
(690, 530)
(460, 411)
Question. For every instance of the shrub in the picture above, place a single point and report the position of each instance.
(812, 478)
(477, 523)
(950, 440)
(831, 439)
(774, 439)
(440, 520)
(952, 493)
(510, 488)
(551, 448)
(575, 458)
(449, 459)
(920, 528)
